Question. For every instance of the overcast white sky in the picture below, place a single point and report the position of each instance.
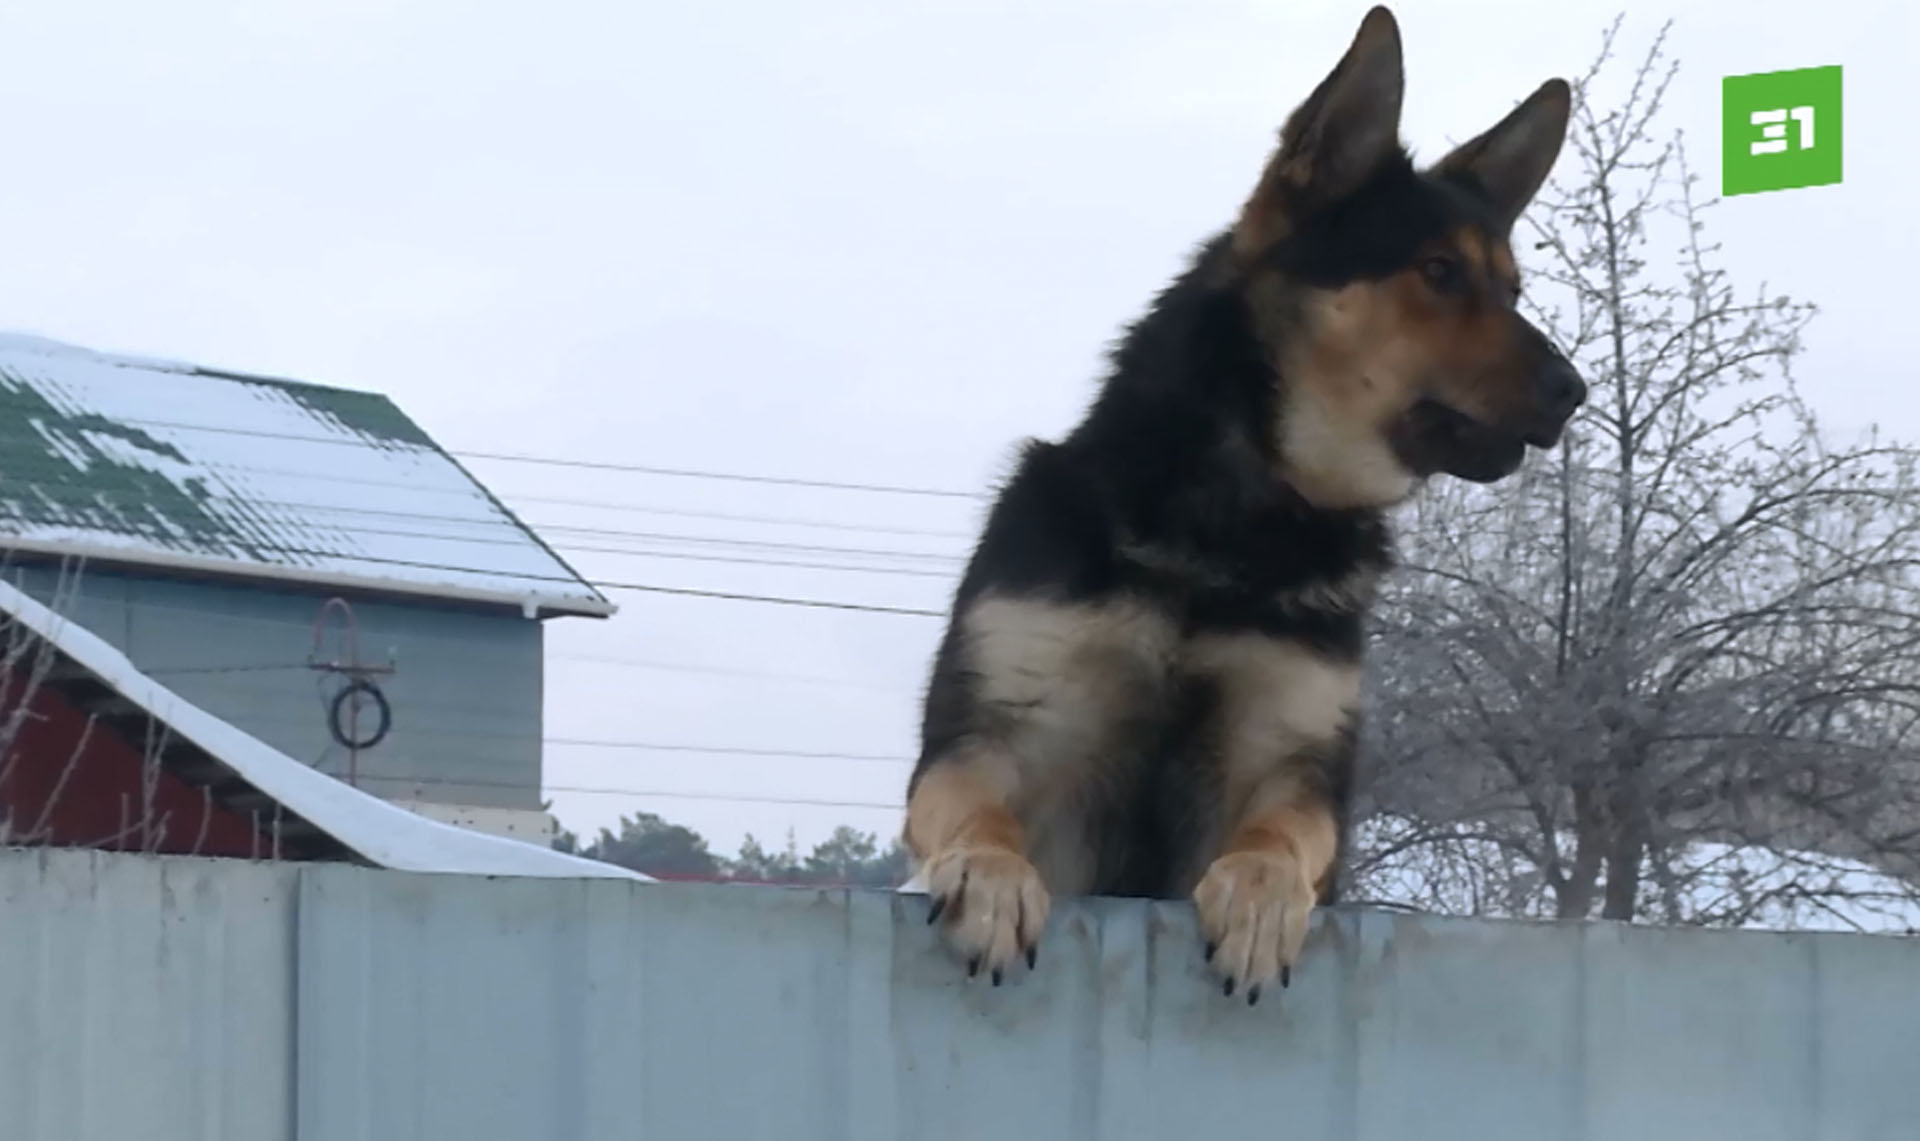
(856, 240)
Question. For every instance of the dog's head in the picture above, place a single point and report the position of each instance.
(1386, 296)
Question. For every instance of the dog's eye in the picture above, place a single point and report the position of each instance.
(1442, 273)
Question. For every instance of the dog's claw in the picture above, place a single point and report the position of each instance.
(1252, 908)
(1033, 955)
(994, 907)
(933, 913)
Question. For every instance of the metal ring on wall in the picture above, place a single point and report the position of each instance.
(336, 721)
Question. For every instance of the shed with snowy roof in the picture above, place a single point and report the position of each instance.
(300, 561)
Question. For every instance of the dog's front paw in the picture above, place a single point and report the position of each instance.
(1253, 909)
(994, 906)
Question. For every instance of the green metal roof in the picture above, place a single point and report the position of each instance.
(166, 464)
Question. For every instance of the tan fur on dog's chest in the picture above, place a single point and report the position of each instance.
(1071, 690)
(1278, 699)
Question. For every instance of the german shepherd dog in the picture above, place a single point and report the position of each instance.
(1149, 681)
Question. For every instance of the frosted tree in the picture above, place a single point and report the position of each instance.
(1671, 670)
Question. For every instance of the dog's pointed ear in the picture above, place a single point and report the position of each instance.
(1345, 131)
(1509, 162)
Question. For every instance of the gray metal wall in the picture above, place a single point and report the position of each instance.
(466, 698)
(173, 999)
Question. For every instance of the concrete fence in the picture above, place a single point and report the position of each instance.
(175, 999)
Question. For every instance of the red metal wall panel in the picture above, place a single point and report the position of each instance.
(66, 787)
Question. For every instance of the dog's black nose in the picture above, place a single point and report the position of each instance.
(1561, 389)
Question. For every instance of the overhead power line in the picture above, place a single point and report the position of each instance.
(251, 501)
(590, 465)
(620, 585)
(733, 798)
(736, 477)
(501, 540)
(609, 743)
(644, 552)
(638, 587)
(657, 664)
(734, 517)
(778, 600)
(763, 544)
(728, 750)
(738, 560)
(604, 790)
(731, 671)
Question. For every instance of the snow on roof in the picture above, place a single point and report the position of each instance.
(381, 833)
(157, 463)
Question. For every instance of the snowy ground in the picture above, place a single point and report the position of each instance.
(1718, 884)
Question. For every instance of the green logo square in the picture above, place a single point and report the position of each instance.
(1780, 130)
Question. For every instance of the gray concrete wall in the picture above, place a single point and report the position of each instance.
(466, 698)
(174, 999)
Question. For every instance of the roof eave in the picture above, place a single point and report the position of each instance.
(531, 604)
